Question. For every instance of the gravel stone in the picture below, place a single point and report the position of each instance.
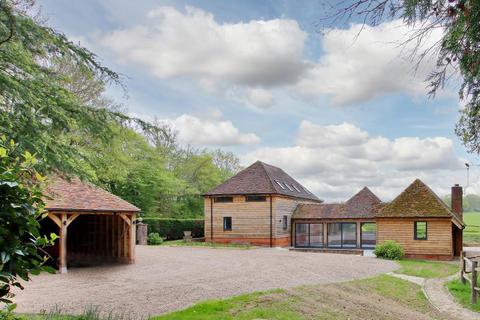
(165, 279)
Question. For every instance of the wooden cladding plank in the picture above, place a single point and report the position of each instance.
(439, 235)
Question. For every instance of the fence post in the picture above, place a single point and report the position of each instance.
(474, 281)
(462, 267)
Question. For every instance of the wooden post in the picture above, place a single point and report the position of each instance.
(131, 257)
(462, 267)
(62, 267)
(474, 282)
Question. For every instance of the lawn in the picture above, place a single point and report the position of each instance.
(426, 269)
(183, 243)
(360, 299)
(461, 293)
(471, 234)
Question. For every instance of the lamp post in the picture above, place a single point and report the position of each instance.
(468, 176)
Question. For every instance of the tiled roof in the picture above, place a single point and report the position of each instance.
(76, 195)
(365, 204)
(417, 200)
(262, 178)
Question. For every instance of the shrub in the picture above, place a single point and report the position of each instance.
(389, 250)
(154, 239)
(172, 229)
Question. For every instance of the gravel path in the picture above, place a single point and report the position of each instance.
(170, 278)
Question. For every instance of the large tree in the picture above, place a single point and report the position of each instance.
(458, 51)
(52, 107)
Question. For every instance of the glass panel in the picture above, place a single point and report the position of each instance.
(316, 235)
(301, 235)
(369, 235)
(420, 230)
(349, 235)
(335, 235)
(227, 223)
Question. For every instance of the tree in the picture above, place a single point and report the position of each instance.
(55, 108)
(458, 51)
(21, 208)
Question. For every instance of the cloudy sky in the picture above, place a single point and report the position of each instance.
(257, 78)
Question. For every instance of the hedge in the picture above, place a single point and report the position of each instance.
(172, 229)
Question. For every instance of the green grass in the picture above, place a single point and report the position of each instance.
(471, 234)
(182, 243)
(380, 297)
(365, 299)
(426, 269)
(461, 293)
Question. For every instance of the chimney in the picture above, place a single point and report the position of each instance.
(457, 200)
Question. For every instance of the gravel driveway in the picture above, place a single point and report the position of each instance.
(170, 278)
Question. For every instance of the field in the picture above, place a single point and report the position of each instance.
(471, 234)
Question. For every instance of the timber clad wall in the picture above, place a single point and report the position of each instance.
(401, 230)
(249, 219)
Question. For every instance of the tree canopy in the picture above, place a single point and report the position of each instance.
(458, 51)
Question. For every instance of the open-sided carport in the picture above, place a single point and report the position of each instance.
(93, 225)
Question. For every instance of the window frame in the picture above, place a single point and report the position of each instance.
(225, 219)
(415, 235)
(223, 199)
(361, 235)
(285, 222)
(255, 198)
(309, 235)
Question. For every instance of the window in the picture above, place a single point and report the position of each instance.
(280, 184)
(285, 222)
(255, 198)
(342, 235)
(227, 223)
(368, 234)
(223, 199)
(316, 235)
(289, 188)
(295, 187)
(420, 230)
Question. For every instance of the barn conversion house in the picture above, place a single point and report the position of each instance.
(100, 225)
(262, 205)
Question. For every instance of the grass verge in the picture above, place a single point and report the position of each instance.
(426, 269)
(380, 297)
(182, 243)
(461, 293)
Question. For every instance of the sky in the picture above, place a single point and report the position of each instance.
(336, 108)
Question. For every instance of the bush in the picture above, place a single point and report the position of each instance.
(154, 239)
(172, 229)
(389, 250)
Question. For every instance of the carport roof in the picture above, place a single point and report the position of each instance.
(76, 195)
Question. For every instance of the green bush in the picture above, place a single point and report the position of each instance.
(389, 250)
(172, 229)
(154, 239)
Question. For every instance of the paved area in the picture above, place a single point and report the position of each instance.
(170, 278)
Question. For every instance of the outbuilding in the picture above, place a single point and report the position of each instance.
(93, 225)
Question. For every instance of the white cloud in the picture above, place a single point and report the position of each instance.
(171, 43)
(336, 161)
(213, 131)
(356, 69)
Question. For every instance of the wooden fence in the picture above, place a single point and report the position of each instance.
(470, 265)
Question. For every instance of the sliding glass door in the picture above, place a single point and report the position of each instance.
(342, 235)
(309, 235)
(369, 235)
